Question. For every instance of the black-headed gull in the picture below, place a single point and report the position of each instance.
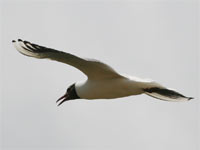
(103, 82)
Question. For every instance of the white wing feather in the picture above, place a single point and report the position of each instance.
(92, 68)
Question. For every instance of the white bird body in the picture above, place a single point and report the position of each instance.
(108, 88)
(103, 81)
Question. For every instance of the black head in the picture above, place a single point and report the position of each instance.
(69, 95)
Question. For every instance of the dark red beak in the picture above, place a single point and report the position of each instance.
(63, 99)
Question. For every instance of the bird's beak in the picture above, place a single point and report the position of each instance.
(63, 99)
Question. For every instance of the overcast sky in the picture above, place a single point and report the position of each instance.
(154, 39)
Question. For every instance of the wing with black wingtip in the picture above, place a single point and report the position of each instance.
(92, 68)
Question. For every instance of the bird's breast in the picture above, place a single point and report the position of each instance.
(106, 89)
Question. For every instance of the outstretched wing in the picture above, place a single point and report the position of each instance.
(166, 94)
(92, 68)
(158, 91)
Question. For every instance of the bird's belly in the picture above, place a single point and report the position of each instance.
(107, 89)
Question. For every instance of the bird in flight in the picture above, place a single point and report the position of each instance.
(103, 82)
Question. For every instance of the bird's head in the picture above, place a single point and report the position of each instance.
(69, 95)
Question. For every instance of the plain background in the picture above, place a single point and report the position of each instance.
(150, 38)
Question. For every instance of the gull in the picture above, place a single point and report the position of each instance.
(102, 82)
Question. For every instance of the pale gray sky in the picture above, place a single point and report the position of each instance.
(152, 39)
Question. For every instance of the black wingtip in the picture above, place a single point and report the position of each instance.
(27, 42)
(189, 98)
(13, 41)
(19, 40)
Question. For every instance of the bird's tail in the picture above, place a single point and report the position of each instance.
(155, 90)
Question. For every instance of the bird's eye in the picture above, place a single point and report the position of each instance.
(68, 90)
